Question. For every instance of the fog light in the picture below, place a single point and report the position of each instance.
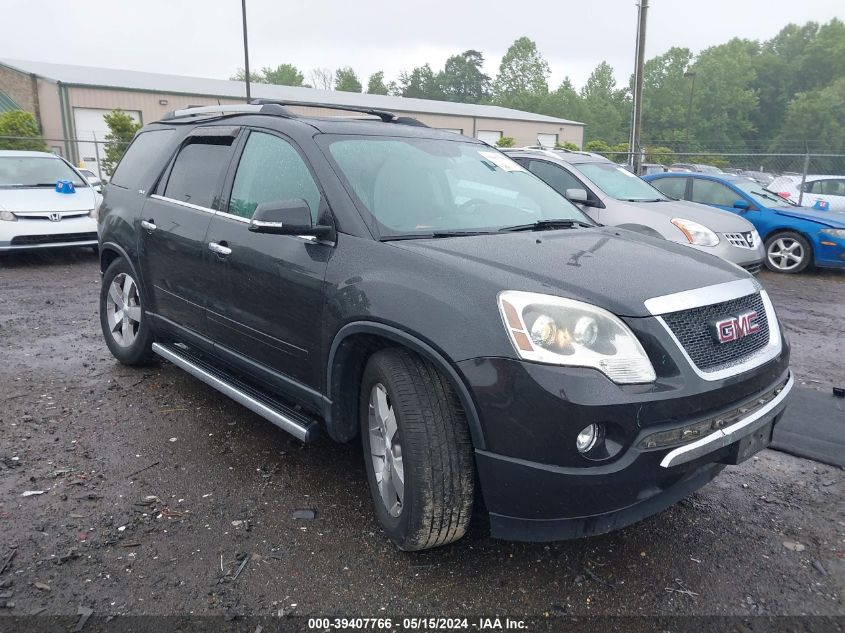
(587, 438)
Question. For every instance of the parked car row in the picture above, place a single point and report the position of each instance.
(794, 237)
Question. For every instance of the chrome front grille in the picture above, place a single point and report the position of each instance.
(692, 328)
(741, 240)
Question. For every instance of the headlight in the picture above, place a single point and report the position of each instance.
(755, 238)
(840, 233)
(559, 331)
(696, 233)
(8, 216)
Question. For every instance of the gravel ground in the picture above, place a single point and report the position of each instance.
(164, 497)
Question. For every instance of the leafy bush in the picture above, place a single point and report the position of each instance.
(505, 141)
(567, 145)
(122, 129)
(21, 124)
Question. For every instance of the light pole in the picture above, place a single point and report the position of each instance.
(637, 110)
(246, 50)
(691, 75)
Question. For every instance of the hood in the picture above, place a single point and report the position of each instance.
(46, 199)
(832, 219)
(714, 219)
(611, 268)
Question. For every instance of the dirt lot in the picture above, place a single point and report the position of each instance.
(158, 491)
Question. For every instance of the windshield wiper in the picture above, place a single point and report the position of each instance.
(544, 225)
(775, 196)
(431, 235)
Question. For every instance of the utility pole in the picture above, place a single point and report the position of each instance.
(636, 157)
(246, 50)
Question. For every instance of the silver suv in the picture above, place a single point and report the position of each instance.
(612, 195)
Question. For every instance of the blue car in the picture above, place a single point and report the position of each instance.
(794, 237)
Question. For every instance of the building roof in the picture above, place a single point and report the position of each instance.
(177, 84)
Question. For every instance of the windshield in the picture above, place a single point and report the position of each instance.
(35, 171)
(420, 187)
(762, 196)
(619, 183)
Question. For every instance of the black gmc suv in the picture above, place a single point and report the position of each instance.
(374, 276)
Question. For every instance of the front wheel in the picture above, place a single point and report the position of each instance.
(417, 451)
(125, 327)
(788, 253)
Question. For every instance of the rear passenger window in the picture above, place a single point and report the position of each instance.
(144, 152)
(672, 187)
(198, 171)
(712, 192)
(270, 169)
(558, 178)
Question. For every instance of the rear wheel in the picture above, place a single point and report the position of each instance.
(788, 253)
(417, 451)
(122, 319)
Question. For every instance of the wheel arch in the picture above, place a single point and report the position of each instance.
(789, 229)
(351, 347)
(109, 251)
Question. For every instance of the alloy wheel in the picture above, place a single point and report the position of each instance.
(785, 253)
(386, 450)
(123, 308)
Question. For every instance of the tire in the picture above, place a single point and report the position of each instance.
(130, 340)
(434, 451)
(788, 253)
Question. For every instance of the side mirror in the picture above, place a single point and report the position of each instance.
(742, 205)
(286, 217)
(577, 195)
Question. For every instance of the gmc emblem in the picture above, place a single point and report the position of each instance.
(733, 328)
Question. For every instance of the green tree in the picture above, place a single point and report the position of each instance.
(505, 141)
(282, 75)
(522, 82)
(254, 77)
(376, 85)
(606, 109)
(21, 124)
(725, 99)
(122, 129)
(567, 145)
(597, 146)
(345, 80)
(463, 80)
(420, 83)
(564, 103)
(666, 92)
(817, 118)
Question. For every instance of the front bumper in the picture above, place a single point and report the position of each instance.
(536, 487)
(32, 234)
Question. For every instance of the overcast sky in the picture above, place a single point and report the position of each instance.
(203, 38)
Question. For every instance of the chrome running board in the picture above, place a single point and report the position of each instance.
(280, 414)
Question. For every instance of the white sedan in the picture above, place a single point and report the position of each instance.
(44, 203)
(817, 189)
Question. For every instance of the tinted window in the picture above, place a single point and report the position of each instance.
(198, 172)
(672, 187)
(145, 151)
(557, 177)
(832, 187)
(711, 192)
(271, 169)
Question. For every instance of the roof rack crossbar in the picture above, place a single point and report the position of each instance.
(232, 108)
(384, 115)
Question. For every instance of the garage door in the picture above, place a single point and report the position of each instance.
(488, 136)
(90, 125)
(547, 140)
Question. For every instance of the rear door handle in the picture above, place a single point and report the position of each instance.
(149, 225)
(220, 249)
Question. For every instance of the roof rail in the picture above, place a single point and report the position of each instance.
(385, 115)
(232, 108)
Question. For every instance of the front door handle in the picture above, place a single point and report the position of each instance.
(220, 249)
(149, 225)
